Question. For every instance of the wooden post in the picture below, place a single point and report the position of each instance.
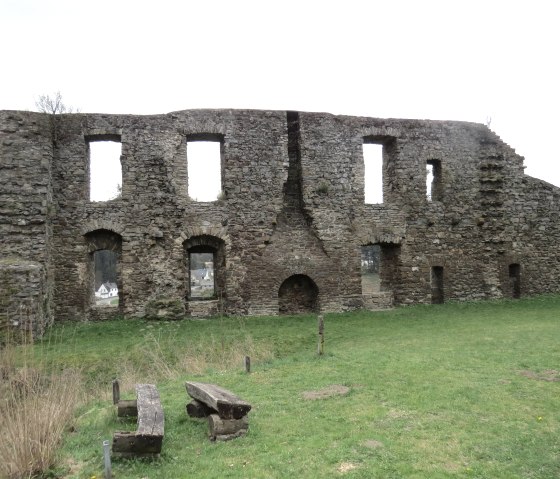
(321, 344)
(116, 391)
(247, 364)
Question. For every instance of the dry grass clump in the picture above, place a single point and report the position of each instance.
(156, 359)
(222, 355)
(36, 407)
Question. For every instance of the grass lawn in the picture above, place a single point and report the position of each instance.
(455, 390)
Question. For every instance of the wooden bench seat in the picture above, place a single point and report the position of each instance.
(226, 412)
(147, 439)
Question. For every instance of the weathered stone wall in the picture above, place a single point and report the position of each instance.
(292, 207)
(26, 208)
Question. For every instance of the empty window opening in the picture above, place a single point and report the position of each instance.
(106, 291)
(373, 173)
(515, 280)
(204, 166)
(371, 262)
(433, 180)
(202, 274)
(105, 171)
(437, 285)
(298, 294)
(205, 262)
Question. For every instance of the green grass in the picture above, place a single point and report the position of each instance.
(435, 392)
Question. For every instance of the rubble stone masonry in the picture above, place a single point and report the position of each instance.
(287, 230)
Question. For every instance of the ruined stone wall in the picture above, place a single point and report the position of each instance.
(26, 208)
(291, 215)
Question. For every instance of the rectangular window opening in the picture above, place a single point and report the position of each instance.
(204, 169)
(371, 260)
(433, 180)
(202, 277)
(437, 285)
(515, 280)
(105, 170)
(373, 173)
(106, 291)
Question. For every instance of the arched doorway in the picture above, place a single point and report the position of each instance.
(298, 294)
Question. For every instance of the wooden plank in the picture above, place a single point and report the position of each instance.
(227, 404)
(150, 412)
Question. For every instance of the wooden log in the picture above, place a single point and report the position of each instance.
(226, 427)
(127, 408)
(127, 444)
(227, 404)
(198, 409)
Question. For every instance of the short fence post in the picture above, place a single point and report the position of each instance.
(247, 364)
(116, 391)
(107, 459)
(321, 344)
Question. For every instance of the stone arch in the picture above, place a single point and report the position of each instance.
(105, 239)
(96, 225)
(298, 294)
(204, 230)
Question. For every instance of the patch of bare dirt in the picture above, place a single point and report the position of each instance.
(329, 391)
(74, 467)
(373, 444)
(549, 375)
(346, 467)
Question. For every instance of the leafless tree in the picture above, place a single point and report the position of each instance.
(53, 104)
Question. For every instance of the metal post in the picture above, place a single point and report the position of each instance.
(107, 458)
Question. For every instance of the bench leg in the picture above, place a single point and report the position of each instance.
(130, 444)
(225, 429)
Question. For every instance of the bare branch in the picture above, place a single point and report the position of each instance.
(52, 105)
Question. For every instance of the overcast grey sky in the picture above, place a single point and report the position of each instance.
(448, 60)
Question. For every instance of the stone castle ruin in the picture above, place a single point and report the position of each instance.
(289, 233)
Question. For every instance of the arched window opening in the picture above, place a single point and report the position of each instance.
(298, 294)
(106, 290)
(202, 277)
(104, 272)
(205, 260)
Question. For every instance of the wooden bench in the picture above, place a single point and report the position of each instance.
(226, 413)
(148, 438)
